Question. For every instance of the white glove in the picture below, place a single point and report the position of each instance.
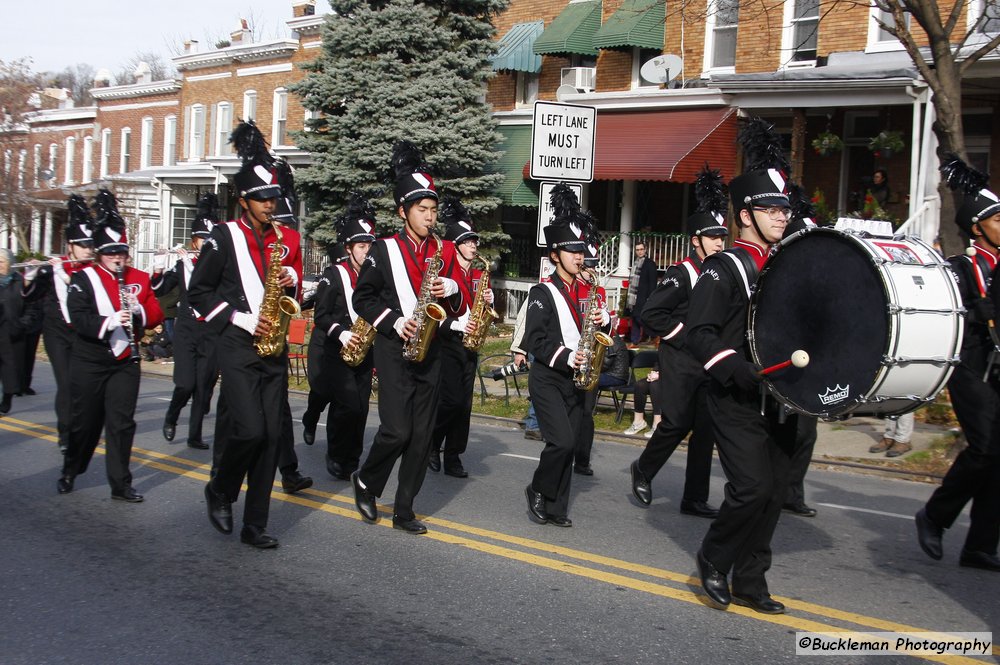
(398, 326)
(114, 321)
(159, 262)
(345, 337)
(30, 274)
(244, 320)
(60, 272)
(459, 324)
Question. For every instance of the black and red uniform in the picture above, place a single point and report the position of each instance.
(104, 373)
(253, 396)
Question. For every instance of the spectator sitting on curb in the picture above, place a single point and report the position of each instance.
(646, 387)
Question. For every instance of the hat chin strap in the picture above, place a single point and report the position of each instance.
(985, 236)
(753, 220)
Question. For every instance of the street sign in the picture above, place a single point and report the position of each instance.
(545, 212)
(562, 142)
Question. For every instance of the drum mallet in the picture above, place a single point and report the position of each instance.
(799, 358)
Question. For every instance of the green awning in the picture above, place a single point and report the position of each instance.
(636, 23)
(572, 31)
(514, 50)
(517, 152)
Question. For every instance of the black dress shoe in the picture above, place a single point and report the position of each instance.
(799, 508)
(983, 560)
(5, 403)
(254, 535)
(30, 391)
(929, 535)
(434, 461)
(308, 433)
(714, 583)
(641, 489)
(699, 509)
(763, 604)
(536, 506)
(128, 494)
(413, 526)
(295, 482)
(363, 500)
(169, 430)
(455, 470)
(65, 484)
(533, 434)
(220, 511)
(338, 470)
(561, 521)
(197, 444)
(583, 469)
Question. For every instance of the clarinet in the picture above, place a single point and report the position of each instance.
(133, 348)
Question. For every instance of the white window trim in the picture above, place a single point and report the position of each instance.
(249, 105)
(788, 39)
(88, 159)
(975, 11)
(170, 140)
(876, 45)
(707, 68)
(223, 127)
(196, 131)
(53, 157)
(22, 166)
(36, 160)
(280, 94)
(69, 162)
(125, 155)
(146, 140)
(105, 152)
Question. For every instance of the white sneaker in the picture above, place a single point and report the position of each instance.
(649, 434)
(635, 428)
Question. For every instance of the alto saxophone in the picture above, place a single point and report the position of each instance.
(481, 312)
(427, 313)
(276, 307)
(352, 356)
(593, 343)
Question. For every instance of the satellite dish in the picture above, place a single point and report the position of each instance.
(662, 68)
(565, 89)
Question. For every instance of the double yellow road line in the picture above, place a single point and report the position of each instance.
(609, 570)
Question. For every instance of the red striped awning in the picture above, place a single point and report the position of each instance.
(664, 146)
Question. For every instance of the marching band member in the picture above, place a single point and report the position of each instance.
(554, 322)
(458, 364)
(684, 398)
(49, 285)
(228, 288)
(754, 449)
(388, 289)
(109, 306)
(347, 389)
(196, 367)
(974, 386)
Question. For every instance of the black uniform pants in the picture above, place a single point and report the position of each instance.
(28, 366)
(683, 410)
(59, 347)
(975, 474)
(196, 369)
(351, 391)
(104, 394)
(458, 376)
(320, 386)
(253, 397)
(805, 442)
(407, 405)
(559, 406)
(755, 452)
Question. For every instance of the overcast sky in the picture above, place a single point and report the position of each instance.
(106, 33)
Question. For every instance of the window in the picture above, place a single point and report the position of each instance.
(170, 140)
(123, 162)
(986, 15)
(181, 227)
(249, 104)
(639, 57)
(22, 165)
(878, 38)
(526, 89)
(53, 162)
(223, 126)
(310, 116)
(279, 125)
(720, 34)
(105, 151)
(801, 32)
(196, 133)
(88, 159)
(146, 146)
(70, 159)
(36, 161)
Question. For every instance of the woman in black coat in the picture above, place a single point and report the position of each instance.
(11, 330)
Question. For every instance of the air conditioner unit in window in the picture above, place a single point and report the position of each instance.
(581, 78)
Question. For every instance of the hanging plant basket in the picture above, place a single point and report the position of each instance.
(886, 144)
(827, 143)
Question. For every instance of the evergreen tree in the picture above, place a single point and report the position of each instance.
(401, 69)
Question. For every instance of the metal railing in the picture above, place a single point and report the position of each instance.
(925, 223)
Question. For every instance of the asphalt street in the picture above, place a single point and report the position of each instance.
(88, 580)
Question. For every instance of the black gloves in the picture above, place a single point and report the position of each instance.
(746, 378)
(982, 309)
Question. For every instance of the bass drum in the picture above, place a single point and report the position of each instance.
(881, 319)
